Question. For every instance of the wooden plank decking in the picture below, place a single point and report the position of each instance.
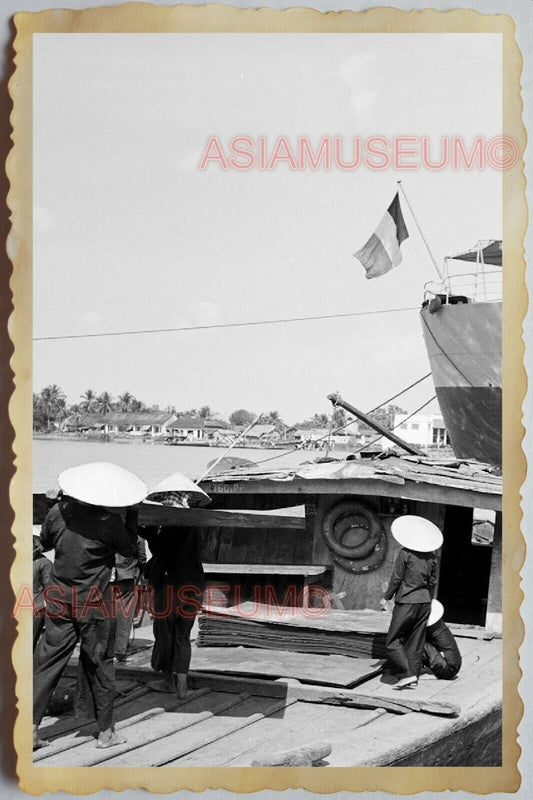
(215, 727)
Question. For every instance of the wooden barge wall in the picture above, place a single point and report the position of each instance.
(256, 545)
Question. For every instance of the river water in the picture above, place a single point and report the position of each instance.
(150, 462)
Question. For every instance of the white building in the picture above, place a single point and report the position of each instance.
(426, 430)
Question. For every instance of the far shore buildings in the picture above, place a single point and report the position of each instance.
(151, 424)
(425, 430)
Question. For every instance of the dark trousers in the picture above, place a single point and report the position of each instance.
(438, 663)
(96, 683)
(125, 611)
(406, 638)
(172, 631)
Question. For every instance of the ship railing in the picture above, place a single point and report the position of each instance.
(476, 287)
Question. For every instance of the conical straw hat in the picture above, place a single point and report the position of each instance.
(416, 533)
(103, 484)
(180, 483)
(436, 613)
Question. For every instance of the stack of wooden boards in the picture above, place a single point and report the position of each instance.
(357, 634)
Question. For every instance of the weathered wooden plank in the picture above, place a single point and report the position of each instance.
(182, 715)
(330, 670)
(264, 569)
(159, 704)
(168, 750)
(484, 497)
(228, 518)
(300, 724)
(397, 703)
(52, 727)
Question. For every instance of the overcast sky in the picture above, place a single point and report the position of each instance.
(129, 234)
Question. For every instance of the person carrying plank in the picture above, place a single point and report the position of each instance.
(411, 585)
(176, 580)
(85, 529)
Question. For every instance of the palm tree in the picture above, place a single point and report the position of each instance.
(105, 403)
(53, 402)
(88, 401)
(320, 420)
(125, 401)
(338, 418)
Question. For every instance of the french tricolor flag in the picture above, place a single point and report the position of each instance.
(382, 251)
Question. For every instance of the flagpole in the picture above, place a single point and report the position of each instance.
(439, 273)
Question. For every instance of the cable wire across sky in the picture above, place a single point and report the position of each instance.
(250, 323)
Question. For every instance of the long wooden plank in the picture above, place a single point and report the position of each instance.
(220, 518)
(67, 742)
(398, 703)
(58, 726)
(172, 747)
(320, 669)
(408, 490)
(300, 724)
(181, 716)
(307, 570)
(297, 718)
(331, 724)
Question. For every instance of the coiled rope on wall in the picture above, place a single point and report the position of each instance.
(370, 548)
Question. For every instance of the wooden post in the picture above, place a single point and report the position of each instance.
(493, 620)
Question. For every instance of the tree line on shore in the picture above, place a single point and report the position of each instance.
(50, 409)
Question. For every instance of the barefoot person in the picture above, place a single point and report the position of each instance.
(411, 585)
(85, 530)
(176, 579)
(441, 653)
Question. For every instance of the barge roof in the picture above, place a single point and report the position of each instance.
(455, 483)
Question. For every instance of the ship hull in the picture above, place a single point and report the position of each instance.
(464, 344)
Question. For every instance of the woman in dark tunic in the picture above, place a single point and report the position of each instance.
(176, 578)
(412, 585)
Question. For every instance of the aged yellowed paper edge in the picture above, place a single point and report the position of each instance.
(139, 18)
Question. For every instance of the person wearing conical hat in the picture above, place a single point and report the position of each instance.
(441, 653)
(412, 585)
(176, 578)
(85, 529)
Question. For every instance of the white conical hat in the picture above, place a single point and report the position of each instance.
(180, 483)
(416, 533)
(103, 484)
(436, 613)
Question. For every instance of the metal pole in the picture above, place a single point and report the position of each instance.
(434, 260)
(337, 400)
